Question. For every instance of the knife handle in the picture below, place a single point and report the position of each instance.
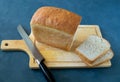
(46, 72)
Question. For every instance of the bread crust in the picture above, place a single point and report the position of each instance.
(56, 18)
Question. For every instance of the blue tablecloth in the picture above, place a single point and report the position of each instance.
(14, 65)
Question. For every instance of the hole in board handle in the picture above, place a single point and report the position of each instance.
(6, 44)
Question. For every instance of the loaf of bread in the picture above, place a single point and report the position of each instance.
(54, 26)
(93, 48)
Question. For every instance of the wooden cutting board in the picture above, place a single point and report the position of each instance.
(54, 57)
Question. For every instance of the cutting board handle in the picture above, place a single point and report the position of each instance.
(13, 45)
(7, 45)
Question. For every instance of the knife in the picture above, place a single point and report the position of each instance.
(37, 55)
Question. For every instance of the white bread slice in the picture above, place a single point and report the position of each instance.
(102, 59)
(106, 57)
(93, 48)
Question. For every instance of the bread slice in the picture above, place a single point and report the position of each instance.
(102, 59)
(93, 48)
(54, 26)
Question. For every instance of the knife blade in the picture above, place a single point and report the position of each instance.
(37, 55)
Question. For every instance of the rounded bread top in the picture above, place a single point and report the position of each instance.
(56, 18)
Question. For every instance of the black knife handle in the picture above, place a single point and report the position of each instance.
(46, 72)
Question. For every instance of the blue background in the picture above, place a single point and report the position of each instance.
(14, 65)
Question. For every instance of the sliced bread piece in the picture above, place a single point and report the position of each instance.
(102, 59)
(93, 48)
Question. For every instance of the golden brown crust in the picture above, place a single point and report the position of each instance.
(56, 18)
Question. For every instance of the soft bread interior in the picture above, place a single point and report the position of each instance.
(52, 36)
(93, 48)
(102, 59)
